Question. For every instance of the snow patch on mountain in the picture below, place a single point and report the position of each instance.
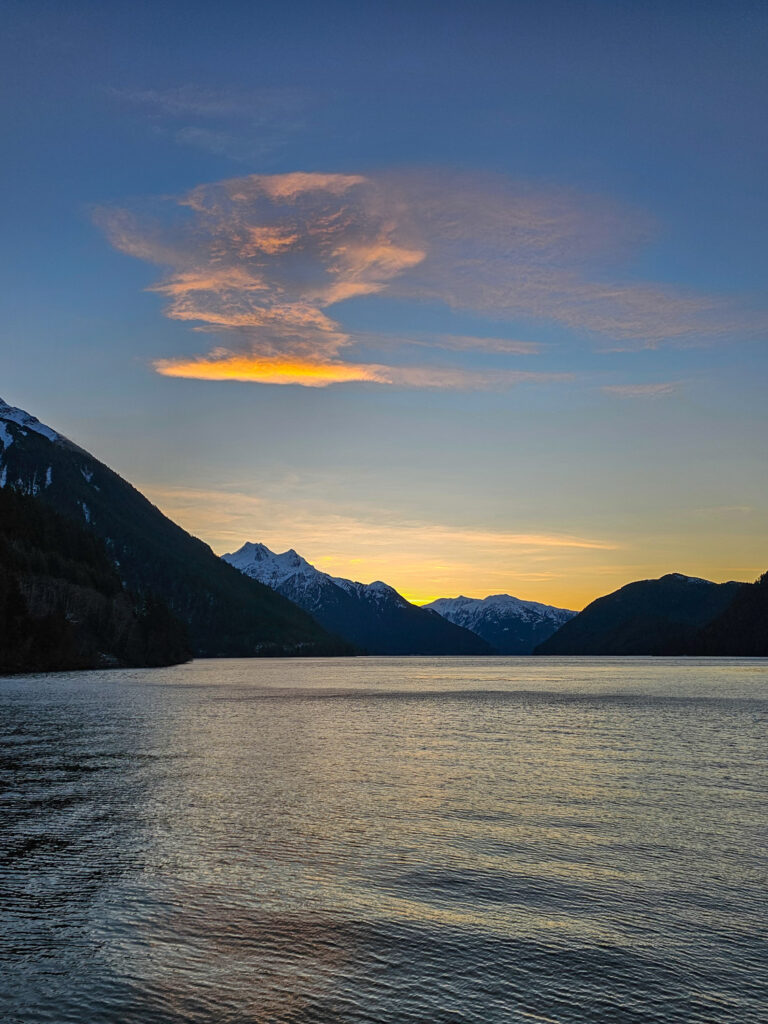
(10, 414)
(6, 437)
(376, 591)
(372, 616)
(468, 611)
(510, 625)
(290, 569)
(258, 562)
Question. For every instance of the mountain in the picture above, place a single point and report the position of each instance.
(226, 613)
(62, 603)
(742, 629)
(509, 625)
(647, 617)
(372, 616)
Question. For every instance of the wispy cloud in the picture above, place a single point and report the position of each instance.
(662, 389)
(186, 100)
(301, 515)
(725, 510)
(269, 260)
(241, 125)
(454, 343)
(422, 559)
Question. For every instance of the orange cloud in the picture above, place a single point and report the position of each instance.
(289, 186)
(223, 365)
(210, 281)
(263, 257)
(270, 240)
(229, 366)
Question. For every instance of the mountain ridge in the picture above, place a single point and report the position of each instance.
(227, 614)
(646, 617)
(509, 624)
(372, 616)
(741, 630)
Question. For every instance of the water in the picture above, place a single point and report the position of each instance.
(385, 840)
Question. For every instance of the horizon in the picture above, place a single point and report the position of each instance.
(325, 563)
(471, 302)
(453, 597)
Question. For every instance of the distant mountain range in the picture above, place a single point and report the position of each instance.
(663, 616)
(509, 625)
(226, 613)
(372, 616)
(93, 573)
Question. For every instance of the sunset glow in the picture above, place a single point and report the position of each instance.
(493, 320)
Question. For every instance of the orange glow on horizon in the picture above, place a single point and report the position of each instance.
(426, 560)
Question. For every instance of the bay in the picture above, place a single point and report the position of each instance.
(492, 840)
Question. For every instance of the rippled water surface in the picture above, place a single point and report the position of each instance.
(415, 840)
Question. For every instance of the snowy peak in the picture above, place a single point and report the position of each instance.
(10, 414)
(376, 618)
(226, 614)
(28, 467)
(510, 625)
(290, 569)
(258, 562)
(372, 616)
(251, 553)
(497, 606)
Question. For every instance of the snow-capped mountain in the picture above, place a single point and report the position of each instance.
(10, 414)
(508, 624)
(372, 616)
(225, 613)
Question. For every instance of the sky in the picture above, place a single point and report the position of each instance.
(468, 297)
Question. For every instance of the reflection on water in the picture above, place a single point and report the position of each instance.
(381, 840)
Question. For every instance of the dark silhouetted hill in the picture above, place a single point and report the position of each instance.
(647, 617)
(226, 613)
(741, 630)
(62, 604)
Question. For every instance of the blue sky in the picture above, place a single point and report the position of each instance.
(520, 246)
